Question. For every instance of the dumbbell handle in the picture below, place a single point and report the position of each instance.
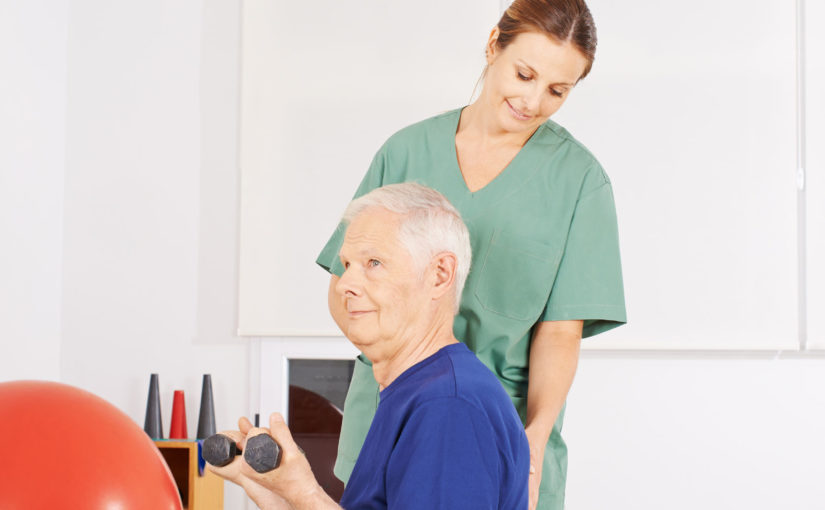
(262, 453)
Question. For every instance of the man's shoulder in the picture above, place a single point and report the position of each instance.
(476, 383)
(437, 377)
(456, 374)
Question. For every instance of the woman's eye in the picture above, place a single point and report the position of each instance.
(522, 76)
(346, 265)
(556, 93)
(373, 263)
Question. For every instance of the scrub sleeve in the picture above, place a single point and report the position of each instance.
(545, 247)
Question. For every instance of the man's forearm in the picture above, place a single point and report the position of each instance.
(316, 500)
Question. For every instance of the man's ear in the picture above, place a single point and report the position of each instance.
(444, 267)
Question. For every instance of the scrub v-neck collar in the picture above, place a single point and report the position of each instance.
(507, 174)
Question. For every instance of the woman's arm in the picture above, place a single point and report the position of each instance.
(554, 356)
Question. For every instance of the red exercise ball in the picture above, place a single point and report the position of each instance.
(67, 448)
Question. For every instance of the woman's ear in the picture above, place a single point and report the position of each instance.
(444, 265)
(492, 45)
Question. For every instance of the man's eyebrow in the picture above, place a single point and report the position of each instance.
(362, 252)
(371, 252)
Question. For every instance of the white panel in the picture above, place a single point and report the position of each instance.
(324, 84)
(816, 172)
(274, 357)
(691, 110)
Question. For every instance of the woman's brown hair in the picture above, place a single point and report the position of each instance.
(563, 20)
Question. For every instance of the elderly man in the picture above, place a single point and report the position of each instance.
(445, 434)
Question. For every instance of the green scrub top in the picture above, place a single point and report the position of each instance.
(545, 248)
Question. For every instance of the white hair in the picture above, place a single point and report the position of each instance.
(429, 225)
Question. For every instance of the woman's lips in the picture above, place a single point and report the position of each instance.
(517, 114)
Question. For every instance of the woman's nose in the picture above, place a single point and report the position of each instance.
(531, 98)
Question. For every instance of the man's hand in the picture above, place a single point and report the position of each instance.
(292, 479)
(262, 496)
(290, 486)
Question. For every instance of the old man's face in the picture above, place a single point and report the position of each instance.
(382, 286)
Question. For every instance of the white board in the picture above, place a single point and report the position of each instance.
(324, 84)
(690, 108)
(815, 172)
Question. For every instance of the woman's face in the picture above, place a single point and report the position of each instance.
(530, 79)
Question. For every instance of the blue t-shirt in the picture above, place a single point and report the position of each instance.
(445, 435)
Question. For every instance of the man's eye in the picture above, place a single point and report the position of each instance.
(373, 263)
(346, 265)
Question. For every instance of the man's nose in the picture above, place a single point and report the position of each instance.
(348, 284)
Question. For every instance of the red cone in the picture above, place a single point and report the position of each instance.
(178, 428)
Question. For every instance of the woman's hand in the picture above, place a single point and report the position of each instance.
(537, 447)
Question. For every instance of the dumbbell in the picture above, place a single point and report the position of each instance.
(262, 453)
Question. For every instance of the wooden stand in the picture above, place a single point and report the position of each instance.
(196, 492)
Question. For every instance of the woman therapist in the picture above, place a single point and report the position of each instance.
(540, 210)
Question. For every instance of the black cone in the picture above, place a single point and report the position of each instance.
(153, 425)
(206, 420)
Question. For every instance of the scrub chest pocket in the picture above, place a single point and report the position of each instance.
(515, 276)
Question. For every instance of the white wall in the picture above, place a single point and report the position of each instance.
(683, 431)
(32, 161)
(149, 263)
(118, 201)
(143, 129)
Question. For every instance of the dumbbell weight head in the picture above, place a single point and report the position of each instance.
(262, 453)
(219, 450)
